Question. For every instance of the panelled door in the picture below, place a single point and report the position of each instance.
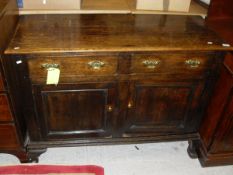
(75, 110)
(163, 108)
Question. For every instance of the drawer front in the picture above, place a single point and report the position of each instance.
(8, 137)
(1, 83)
(5, 113)
(171, 63)
(74, 66)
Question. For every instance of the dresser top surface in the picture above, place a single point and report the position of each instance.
(111, 33)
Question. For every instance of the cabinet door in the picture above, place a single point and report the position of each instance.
(75, 111)
(164, 107)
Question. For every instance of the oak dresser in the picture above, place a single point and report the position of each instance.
(116, 79)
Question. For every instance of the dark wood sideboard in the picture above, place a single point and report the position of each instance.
(124, 78)
(12, 128)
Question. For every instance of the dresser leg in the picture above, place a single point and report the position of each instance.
(192, 149)
(34, 154)
(21, 154)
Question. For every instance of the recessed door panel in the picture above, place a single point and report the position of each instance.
(84, 110)
(163, 108)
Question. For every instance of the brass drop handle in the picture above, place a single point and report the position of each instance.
(193, 63)
(151, 64)
(110, 108)
(96, 65)
(50, 66)
(130, 105)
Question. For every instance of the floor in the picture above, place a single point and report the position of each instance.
(143, 159)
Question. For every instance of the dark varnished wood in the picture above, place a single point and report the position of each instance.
(223, 27)
(172, 63)
(49, 129)
(79, 111)
(164, 107)
(3, 5)
(220, 100)
(166, 103)
(216, 146)
(12, 130)
(8, 20)
(8, 137)
(221, 24)
(33, 155)
(224, 142)
(73, 66)
(8, 7)
(5, 112)
(89, 33)
(220, 9)
(76, 68)
(1, 83)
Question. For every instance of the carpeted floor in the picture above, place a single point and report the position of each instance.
(147, 159)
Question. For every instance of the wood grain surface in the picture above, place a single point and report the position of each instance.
(3, 5)
(94, 33)
(1, 83)
(8, 137)
(12, 130)
(5, 112)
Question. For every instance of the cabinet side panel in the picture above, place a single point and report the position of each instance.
(216, 107)
(223, 140)
(8, 137)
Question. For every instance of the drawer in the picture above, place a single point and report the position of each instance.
(74, 66)
(8, 136)
(172, 63)
(1, 83)
(5, 112)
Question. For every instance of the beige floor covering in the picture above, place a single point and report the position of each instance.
(147, 159)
